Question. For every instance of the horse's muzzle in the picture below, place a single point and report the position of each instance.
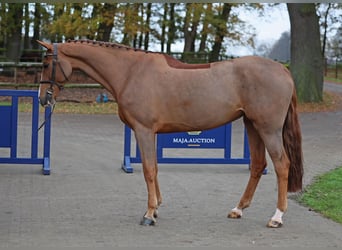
(48, 99)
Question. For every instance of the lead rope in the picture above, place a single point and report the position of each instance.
(48, 118)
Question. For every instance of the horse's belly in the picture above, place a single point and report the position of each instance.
(201, 119)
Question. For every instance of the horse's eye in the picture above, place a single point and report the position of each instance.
(45, 65)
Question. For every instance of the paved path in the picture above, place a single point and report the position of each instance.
(89, 201)
(333, 87)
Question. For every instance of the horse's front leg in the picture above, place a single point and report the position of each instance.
(158, 193)
(146, 142)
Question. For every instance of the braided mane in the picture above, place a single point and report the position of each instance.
(109, 44)
(171, 61)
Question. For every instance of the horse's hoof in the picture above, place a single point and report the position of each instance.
(274, 224)
(234, 215)
(147, 221)
(155, 214)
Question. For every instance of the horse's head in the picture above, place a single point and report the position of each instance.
(55, 72)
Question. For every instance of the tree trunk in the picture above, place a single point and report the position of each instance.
(130, 24)
(204, 32)
(306, 53)
(59, 9)
(36, 26)
(13, 48)
(106, 25)
(221, 31)
(325, 26)
(3, 24)
(191, 23)
(163, 27)
(135, 22)
(171, 34)
(26, 27)
(147, 26)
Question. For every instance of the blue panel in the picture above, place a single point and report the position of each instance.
(47, 131)
(14, 126)
(213, 138)
(8, 130)
(217, 138)
(46, 166)
(5, 126)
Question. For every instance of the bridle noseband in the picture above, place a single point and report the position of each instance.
(53, 73)
(49, 91)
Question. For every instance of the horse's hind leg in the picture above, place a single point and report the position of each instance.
(275, 148)
(258, 164)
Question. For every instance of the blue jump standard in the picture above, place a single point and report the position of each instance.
(9, 130)
(218, 138)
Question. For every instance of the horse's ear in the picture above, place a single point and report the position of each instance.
(46, 45)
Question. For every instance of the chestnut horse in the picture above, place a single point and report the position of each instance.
(156, 93)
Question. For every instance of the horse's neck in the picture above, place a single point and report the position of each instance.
(108, 69)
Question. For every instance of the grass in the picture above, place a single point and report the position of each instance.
(73, 108)
(324, 195)
(5, 104)
(332, 79)
(330, 102)
(86, 108)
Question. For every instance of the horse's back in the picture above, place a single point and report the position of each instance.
(178, 99)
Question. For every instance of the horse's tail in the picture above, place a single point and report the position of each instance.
(293, 146)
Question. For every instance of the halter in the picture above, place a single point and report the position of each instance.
(52, 82)
(53, 73)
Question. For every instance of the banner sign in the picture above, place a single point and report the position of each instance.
(217, 138)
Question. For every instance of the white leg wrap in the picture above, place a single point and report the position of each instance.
(278, 216)
(237, 211)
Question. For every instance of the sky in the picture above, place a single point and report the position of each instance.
(268, 28)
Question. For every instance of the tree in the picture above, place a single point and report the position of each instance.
(3, 23)
(147, 26)
(325, 28)
(205, 29)
(171, 33)
(167, 23)
(306, 52)
(70, 22)
(131, 21)
(104, 14)
(36, 25)
(221, 31)
(191, 23)
(330, 22)
(136, 24)
(336, 45)
(14, 20)
(26, 26)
